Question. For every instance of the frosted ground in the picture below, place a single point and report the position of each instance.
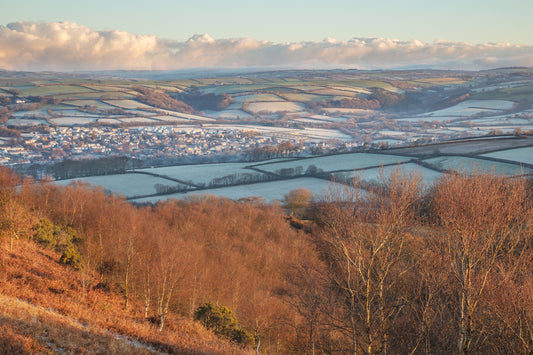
(26, 122)
(128, 185)
(523, 155)
(471, 107)
(428, 176)
(127, 104)
(270, 191)
(71, 121)
(256, 97)
(337, 162)
(472, 165)
(232, 114)
(201, 173)
(275, 106)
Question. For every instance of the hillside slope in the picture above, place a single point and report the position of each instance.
(46, 307)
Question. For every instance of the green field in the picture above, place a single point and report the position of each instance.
(50, 90)
(301, 97)
(513, 94)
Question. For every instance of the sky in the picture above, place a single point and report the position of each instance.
(166, 34)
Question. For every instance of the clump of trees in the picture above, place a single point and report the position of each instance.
(357, 103)
(379, 98)
(284, 149)
(408, 269)
(68, 169)
(161, 100)
(210, 101)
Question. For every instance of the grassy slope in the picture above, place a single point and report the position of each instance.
(44, 308)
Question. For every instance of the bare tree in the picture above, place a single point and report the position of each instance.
(482, 220)
(365, 243)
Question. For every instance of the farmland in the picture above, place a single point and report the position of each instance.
(323, 124)
(272, 180)
(270, 191)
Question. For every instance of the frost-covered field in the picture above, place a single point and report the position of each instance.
(127, 104)
(428, 118)
(523, 155)
(470, 107)
(275, 106)
(351, 111)
(337, 162)
(201, 173)
(108, 121)
(428, 176)
(311, 120)
(187, 116)
(97, 103)
(169, 118)
(30, 114)
(137, 120)
(498, 120)
(270, 191)
(322, 119)
(257, 97)
(128, 185)
(25, 122)
(228, 114)
(71, 112)
(324, 134)
(472, 165)
(70, 121)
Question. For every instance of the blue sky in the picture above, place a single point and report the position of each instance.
(471, 21)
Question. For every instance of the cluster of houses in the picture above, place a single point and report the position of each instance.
(60, 143)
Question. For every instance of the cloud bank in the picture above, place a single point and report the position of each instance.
(65, 46)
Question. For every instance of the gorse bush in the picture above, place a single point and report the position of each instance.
(71, 256)
(61, 239)
(222, 321)
(54, 236)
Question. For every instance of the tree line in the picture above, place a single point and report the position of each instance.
(397, 268)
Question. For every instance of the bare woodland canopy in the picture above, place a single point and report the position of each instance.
(402, 268)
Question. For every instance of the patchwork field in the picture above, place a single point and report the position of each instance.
(346, 162)
(128, 185)
(523, 155)
(471, 107)
(26, 122)
(127, 104)
(257, 97)
(72, 120)
(472, 165)
(292, 106)
(48, 90)
(96, 103)
(270, 191)
(202, 173)
(274, 106)
(428, 176)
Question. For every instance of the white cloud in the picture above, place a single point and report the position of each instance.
(69, 46)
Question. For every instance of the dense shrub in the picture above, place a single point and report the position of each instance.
(71, 257)
(222, 321)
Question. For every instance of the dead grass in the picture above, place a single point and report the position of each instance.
(44, 308)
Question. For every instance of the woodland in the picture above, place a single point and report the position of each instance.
(398, 268)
